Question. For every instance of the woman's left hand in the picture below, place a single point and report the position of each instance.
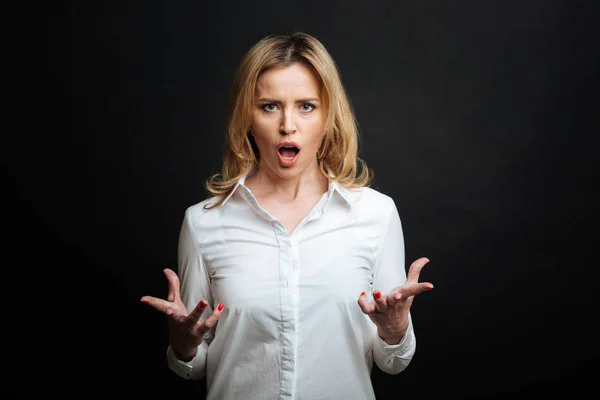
(390, 311)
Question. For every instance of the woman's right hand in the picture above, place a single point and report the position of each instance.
(186, 331)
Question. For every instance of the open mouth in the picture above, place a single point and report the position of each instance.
(288, 151)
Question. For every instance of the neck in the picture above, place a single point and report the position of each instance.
(264, 182)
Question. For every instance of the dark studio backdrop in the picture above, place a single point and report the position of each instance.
(478, 118)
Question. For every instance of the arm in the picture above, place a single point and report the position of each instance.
(390, 273)
(194, 287)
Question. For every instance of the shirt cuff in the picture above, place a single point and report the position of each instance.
(183, 368)
(404, 349)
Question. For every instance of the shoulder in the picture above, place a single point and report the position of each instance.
(201, 214)
(380, 212)
(373, 202)
(373, 214)
(375, 198)
(365, 196)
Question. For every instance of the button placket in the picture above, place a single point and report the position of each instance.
(288, 311)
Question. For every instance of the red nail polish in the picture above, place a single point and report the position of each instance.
(377, 294)
(362, 294)
(220, 306)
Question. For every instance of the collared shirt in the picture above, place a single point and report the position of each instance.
(291, 327)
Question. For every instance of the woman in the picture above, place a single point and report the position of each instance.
(299, 261)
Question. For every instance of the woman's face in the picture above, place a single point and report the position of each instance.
(288, 120)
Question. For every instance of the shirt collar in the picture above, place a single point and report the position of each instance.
(334, 186)
(347, 194)
(240, 182)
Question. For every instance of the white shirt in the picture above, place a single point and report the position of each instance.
(291, 327)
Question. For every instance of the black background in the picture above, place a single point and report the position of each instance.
(478, 118)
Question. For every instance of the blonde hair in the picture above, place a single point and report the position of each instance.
(338, 152)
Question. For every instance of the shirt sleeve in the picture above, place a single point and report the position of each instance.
(194, 286)
(389, 273)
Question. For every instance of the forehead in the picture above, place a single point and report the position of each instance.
(295, 79)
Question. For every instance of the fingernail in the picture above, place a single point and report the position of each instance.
(362, 294)
(377, 294)
(220, 306)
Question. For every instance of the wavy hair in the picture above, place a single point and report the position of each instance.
(338, 151)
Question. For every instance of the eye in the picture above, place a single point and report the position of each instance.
(269, 107)
(307, 107)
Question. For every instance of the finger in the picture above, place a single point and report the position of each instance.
(394, 297)
(196, 313)
(412, 290)
(173, 284)
(366, 306)
(159, 304)
(380, 300)
(415, 269)
(212, 318)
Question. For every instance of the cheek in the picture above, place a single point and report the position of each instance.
(261, 141)
(263, 136)
(315, 130)
(263, 126)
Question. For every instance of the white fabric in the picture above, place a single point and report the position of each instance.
(291, 327)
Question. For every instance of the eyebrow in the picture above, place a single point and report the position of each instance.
(270, 100)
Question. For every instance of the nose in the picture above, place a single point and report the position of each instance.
(288, 123)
